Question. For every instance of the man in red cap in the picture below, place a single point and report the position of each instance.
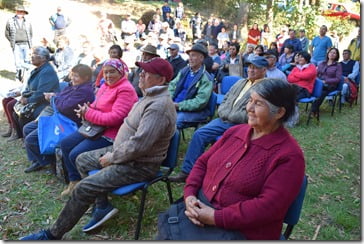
(139, 147)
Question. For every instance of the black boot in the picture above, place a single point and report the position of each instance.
(8, 133)
(13, 137)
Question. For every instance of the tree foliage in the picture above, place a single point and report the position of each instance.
(10, 4)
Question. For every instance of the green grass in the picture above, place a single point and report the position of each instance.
(29, 202)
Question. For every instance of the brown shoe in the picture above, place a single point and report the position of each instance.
(180, 177)
(8, 133)
(69, 188)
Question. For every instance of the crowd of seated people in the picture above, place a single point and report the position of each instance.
(114, 93)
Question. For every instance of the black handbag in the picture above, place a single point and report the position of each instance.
(175, 225)
(90, 130)
(24, 111)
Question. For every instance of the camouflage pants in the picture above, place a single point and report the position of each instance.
(95, 188)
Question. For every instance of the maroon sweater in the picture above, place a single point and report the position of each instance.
(250, 183)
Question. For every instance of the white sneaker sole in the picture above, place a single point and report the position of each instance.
(103, 220)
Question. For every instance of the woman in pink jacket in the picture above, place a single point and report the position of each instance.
(114, 100)
(303, 75)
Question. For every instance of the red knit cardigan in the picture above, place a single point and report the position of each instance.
(251, 183)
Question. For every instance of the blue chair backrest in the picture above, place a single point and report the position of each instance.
(294, 211)
(227, 82)
(172, 153)
(317, 89)
(212, 104)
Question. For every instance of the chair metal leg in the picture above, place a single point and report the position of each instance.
(170, 196)
(333, 105)
(308, 119)
(340, 105)
(183, 134)
(288, 231)
(140, 215)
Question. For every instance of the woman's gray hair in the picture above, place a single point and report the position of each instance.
(278, 93)
(43, 52)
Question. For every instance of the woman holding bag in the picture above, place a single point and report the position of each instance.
(43, 78)
(66, 101)
(247, 180)
(114, 100)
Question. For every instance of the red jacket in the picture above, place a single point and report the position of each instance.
(112, 105)
(304, 78)
(251, 184)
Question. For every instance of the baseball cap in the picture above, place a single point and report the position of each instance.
(157, 66)
(258, 61)
(173, 46)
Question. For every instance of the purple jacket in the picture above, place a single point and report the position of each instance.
(331, 74)
(68, 99)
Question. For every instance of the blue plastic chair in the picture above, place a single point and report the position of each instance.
(212, 107)
(316, 93)
(226, 83)
(294, 211)
(166, 169)
(336, 94)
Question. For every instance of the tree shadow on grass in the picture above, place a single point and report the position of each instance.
(7, 74)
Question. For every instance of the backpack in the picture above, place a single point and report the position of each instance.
(352, 94)
(60, 22)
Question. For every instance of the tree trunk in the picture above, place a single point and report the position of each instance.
(269, 14)
(243, 18)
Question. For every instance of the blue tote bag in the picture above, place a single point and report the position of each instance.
(52, 129)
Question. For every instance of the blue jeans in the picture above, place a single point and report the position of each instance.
(200, 139)
(30, 132)
(21, 55)
(75, 144)
(184, 117)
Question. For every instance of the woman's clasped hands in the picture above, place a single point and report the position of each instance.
(198, 212)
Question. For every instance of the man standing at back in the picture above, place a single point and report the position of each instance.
(128, 29)
(292, 40)
(138, 150)
(354, 47)
(232, 111)
(319, 46)
(19, 33)
(192, 88)
(59, 23)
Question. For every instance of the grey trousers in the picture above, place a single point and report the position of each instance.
(95, 188)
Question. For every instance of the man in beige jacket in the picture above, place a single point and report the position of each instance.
(139, 148)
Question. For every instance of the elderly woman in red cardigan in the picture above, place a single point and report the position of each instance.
(253, 173)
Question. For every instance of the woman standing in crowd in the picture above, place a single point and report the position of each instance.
(254, 35)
